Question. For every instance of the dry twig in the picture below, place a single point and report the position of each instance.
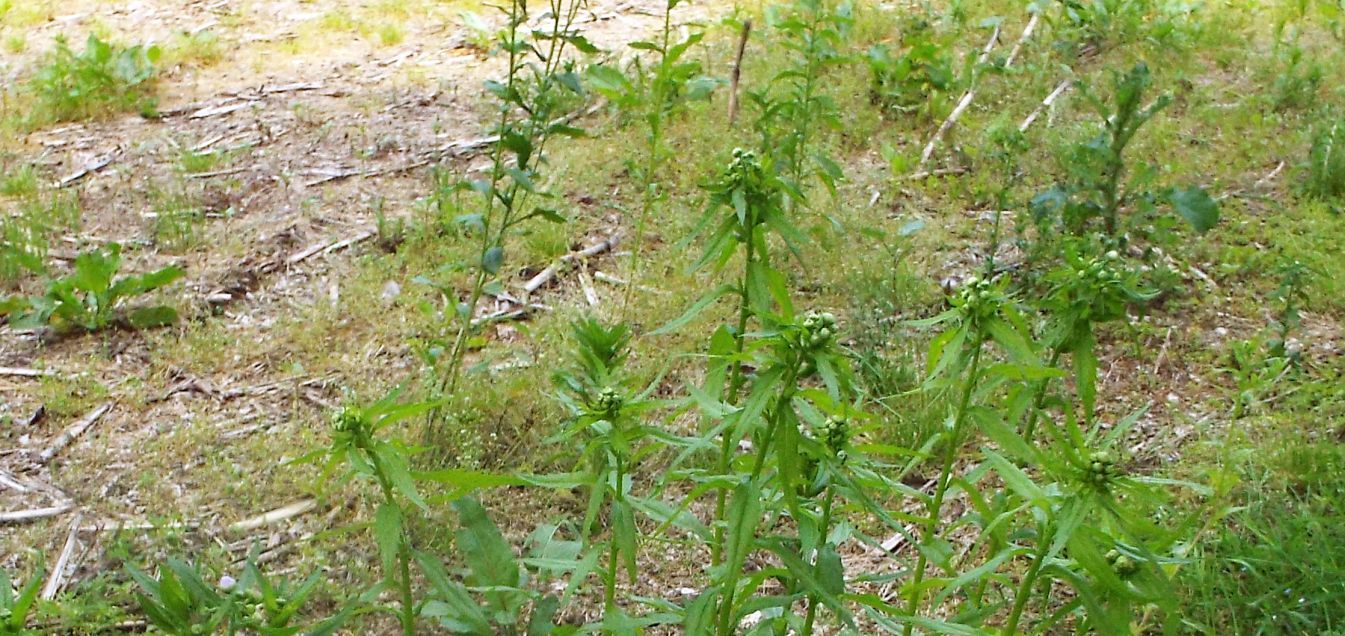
(75, 430)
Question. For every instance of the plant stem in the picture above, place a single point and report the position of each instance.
(1031, 427)
(408, 601)
(735, 385)
(1029, 579)
(730, 587)
(407, 613)
(651, 167)
(609, 591)
(826, 528)
(941, 490)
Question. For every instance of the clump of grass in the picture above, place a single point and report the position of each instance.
(390, 35)
(1276, 566)
(202, 48)
(1324, 174)
(20, 183)
(26, 233)
(175, 221)
(103, 78)
(192, 162)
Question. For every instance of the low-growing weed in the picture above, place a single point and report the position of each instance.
(1324, 171)
(90, 297)
(15, 605)
(103, 78)
(917, 79)
(180, 601)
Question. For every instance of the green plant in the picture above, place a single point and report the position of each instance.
(796, 103)
(1104, 193)
(1273, 566)
(16, 604)
(27, 232)
(23, 249)
(529, 102)
(919, 79)
(90, 298)
(181, 602)
(507, 585)
(1296, 78)
(673, 81)
(175, 222)
(103, 78)
(358, 449)
(1324, 170)
(21, 182)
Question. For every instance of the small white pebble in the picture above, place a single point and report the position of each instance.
(1173, 399)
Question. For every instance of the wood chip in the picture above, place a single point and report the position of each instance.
(25, 372)
(23, 516)
(275, 516)
(59, 572)
(215, 111)
(97, 164)
(75, 430)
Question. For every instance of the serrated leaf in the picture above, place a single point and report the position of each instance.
(487, 554)
(388, 534)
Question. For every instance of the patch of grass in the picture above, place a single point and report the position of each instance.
(16, 43)
(192, 162)
(203, 48)
(70, 396)
(390, 34)
(104, 78)
(176, 222)
(20, 182)
(1324, 171)
(26, 232)
(21, 14)
(1276, 565)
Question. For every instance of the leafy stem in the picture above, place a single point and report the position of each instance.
(931, 528)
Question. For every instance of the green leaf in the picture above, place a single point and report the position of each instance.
(457, 610)
(388, 535)
(830, 570)
(624, 534)
(694, 310)
(25, 599)
(492, 260)
(1085, 373)
(1196, 206)
(487, 554)
(743, 515)
(1014, 477)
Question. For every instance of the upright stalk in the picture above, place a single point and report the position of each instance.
(651, 166)
(734, 386)
(495, 228)
(1029, 579)
(407, 613)
(730, 587)
(609, 590)
(826, 529)
(941, 490)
